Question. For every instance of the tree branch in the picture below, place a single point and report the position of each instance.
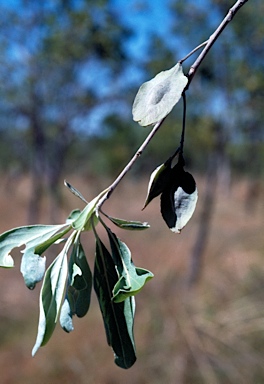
(193, 69)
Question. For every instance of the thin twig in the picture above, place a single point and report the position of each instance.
(129, 165)
(210, 42)
(183, 123)
(193, 51)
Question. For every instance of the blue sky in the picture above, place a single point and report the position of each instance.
(144, 17)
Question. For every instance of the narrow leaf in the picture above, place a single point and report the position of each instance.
(75, 191)
(51, 297)
(130, 225)
(156, 98)
(118, 317)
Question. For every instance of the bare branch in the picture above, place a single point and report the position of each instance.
(212, 39)
(112, 187)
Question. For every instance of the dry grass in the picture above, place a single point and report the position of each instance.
(211, 334)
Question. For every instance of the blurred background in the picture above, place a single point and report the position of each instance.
(69, 71)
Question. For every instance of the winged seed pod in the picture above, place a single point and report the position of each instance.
(156, 98)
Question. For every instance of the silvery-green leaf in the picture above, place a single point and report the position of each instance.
(32, 268)
(156, 98)
(31, 236)
(51, 297)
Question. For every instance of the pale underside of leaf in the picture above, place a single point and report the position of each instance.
(32, 268)
(66, 317)
(156, 98)
(184, 204)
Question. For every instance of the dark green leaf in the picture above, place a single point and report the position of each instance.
(118, 317)
(78, 296)
(156, 98)
(51, 297)
(83, 301)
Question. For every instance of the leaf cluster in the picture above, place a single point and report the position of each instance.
(68, 280)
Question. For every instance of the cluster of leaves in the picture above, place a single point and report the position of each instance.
(68, 280)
